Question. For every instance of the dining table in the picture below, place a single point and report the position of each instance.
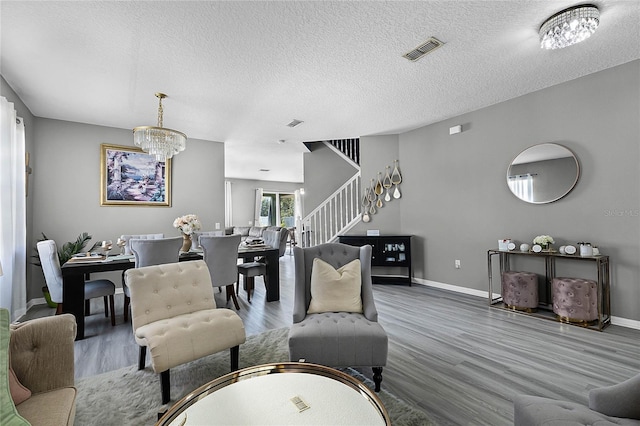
(75, 271)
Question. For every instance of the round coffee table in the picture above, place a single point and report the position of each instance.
(261, 395)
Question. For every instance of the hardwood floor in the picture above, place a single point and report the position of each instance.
(450, 355)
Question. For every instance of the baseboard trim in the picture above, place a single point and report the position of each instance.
(622, 322)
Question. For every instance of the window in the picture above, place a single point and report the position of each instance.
(277, 209)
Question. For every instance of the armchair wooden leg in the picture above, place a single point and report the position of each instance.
(106, 307)
(165, 386)
(112, 308)
(142, 357)
(232, 295)
(235, 357)
(127, 300)
(377, 377)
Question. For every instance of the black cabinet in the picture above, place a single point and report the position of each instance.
(389, 251)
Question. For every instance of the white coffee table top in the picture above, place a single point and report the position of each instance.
(333, 398)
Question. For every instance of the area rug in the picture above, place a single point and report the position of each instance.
(131, 397)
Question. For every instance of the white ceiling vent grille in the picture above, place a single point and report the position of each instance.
(426, 47)
(295, 123)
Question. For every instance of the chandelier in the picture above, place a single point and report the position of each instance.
(569, 26)
(159, 141)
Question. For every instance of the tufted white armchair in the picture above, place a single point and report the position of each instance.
(173, 313)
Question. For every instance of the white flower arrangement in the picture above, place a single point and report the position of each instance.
(187, 224)
(543, 240)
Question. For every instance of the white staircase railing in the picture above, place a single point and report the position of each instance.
(339, 212)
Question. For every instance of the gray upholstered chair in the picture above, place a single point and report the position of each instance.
(48, 254)
(174, 314)
(128, 237)
(221, 256)
(151, 251)
(276, 238)
(613, 405)
(195, 237)
(337, 339)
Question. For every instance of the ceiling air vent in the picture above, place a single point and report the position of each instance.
(426, 47)
(295, 123)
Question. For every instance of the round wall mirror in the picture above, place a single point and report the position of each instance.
(543, 173)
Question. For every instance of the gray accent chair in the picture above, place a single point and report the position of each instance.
(612, 405)
(221, 256)
(151, 251)
(48, 254)
(336, 339)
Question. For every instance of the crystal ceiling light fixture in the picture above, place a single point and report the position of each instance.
(159, 141)
(569, 26)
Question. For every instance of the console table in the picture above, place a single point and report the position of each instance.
(549, 258)
(388, 251)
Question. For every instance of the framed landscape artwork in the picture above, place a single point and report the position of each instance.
(131, 177)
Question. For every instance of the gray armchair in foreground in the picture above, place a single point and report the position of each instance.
(337, 337)
(613, 405)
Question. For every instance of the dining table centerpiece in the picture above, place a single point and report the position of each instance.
(544, 241)
(187, 225)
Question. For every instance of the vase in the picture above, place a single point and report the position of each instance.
(186, 243)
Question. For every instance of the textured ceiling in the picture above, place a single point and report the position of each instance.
(238, 72)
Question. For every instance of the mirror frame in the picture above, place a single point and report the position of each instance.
(570, 188)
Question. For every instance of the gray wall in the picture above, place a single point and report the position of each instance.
(243, 197)
(324, 172)
(66, 188)
(377, 152)
(456, 199)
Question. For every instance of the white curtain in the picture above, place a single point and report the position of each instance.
(256, 216)
(228, 205)
(522, 186)
(13, 223)
(297, 208)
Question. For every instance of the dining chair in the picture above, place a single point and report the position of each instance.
(149, 252)
(48, 253)
(276, 238)
(127, 240)
(221, 256)
(195, 237)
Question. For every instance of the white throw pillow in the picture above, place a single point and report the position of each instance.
(335, 290)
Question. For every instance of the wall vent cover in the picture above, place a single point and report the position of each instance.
(426, 47)
(295, 123)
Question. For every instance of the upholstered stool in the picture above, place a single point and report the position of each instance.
(520, 290)
(250, 270)
(575, 299)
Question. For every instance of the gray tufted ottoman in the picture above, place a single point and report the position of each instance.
(575, 299)
(520, 290)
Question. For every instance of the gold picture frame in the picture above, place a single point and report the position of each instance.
(131, 177)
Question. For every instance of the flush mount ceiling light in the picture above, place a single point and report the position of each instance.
(159, 141)
(569, 26)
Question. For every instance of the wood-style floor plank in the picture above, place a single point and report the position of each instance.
(450, 355)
